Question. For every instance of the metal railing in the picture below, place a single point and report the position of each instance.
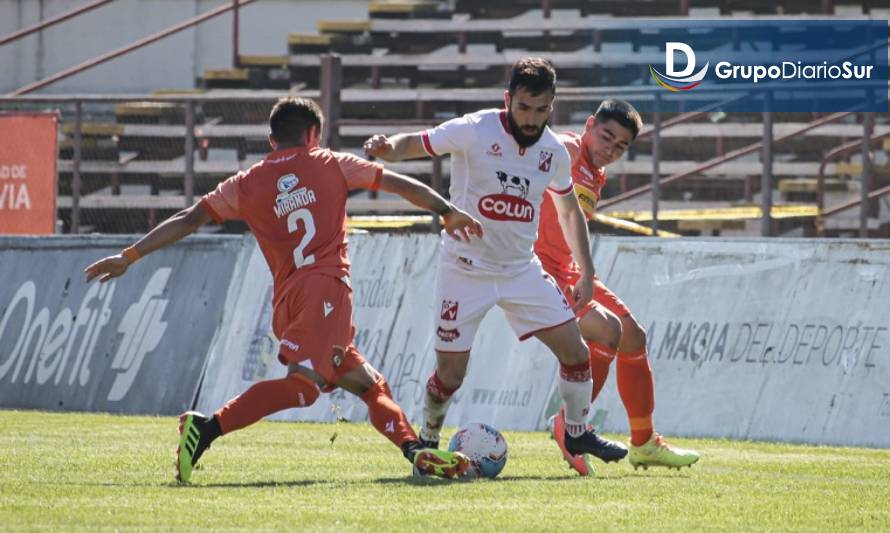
(136, 45)
(332, 98)
(24, 32)
(863, 145)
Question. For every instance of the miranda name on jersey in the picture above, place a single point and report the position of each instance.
(287, 202)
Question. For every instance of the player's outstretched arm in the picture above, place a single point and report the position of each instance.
(178, 226)
(396, 148)
(458, 224)
(574, 228)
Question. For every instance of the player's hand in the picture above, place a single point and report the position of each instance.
(105, 269)
(583, 292)
(378, 146)
(460, 225)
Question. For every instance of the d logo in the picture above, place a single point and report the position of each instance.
(678, 80)
(669, 54)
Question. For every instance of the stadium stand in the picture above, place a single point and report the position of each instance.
(412, 64)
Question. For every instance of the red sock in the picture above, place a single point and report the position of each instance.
(637, 391)
(263, 399)
(601, 358)
(386, 415)
(437, 389)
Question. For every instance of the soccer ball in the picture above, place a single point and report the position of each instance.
(485, 447)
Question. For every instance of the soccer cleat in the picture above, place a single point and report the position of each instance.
(578, 463)
(587, 442)
(194, 439)
(657, 452)
(421, 444)
(441, 463)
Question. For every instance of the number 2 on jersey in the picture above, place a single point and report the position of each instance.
(305, 216)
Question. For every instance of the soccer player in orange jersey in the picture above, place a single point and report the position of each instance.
(607, 325)
(294, 201)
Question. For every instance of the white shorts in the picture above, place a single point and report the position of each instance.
(531, 300)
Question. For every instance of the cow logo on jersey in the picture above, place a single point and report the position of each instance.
(511, 203)
(545, 161)
(515, 185)
(495, 151)
(449, 310)
(287, 183)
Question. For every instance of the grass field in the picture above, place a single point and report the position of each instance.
(87, 471)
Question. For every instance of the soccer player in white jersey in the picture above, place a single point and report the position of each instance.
(502, 162)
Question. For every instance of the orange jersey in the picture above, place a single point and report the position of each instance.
(551, 246)
(294, 201)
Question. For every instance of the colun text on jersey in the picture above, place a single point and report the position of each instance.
(291, 201)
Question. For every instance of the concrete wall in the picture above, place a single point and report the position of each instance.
(778, 339)
(784, 340)
(132, 345)
(171, 63)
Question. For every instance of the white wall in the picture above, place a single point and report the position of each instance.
(777, 339)
(171, 63)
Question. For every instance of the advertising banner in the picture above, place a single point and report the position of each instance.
(784, 340)
(28, 153)
(805, 65)
(136, 344)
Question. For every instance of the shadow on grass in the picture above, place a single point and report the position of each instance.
(253, 484)
(431, 481)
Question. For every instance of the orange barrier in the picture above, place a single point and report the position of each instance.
(28, 154)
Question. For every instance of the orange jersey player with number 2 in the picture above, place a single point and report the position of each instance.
(294, 201)
(607, 325)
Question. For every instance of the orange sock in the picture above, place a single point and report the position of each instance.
(637, 391)
(600, 360)
(263, 399)
(386, 415)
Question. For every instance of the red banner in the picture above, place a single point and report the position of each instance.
(28, 153)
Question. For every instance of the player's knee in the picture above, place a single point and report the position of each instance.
(305, 389)
(602, 328)
(632, 333)
(613, 331)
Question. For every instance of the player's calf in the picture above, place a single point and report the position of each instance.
(435, 407)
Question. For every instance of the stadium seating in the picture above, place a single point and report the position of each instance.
(410, 65)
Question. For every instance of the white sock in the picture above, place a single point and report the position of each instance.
(576, 397)
(434, 412)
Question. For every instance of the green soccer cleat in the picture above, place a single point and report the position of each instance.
(431, 462)
(657, 452)
(195, 436)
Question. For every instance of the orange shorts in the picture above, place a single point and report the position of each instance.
(314, 322)
(601, 296)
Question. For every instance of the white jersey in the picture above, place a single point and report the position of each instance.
(499, 183)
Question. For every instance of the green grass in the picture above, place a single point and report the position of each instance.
(88, 471)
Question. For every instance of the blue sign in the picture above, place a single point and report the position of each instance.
(800, 65)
